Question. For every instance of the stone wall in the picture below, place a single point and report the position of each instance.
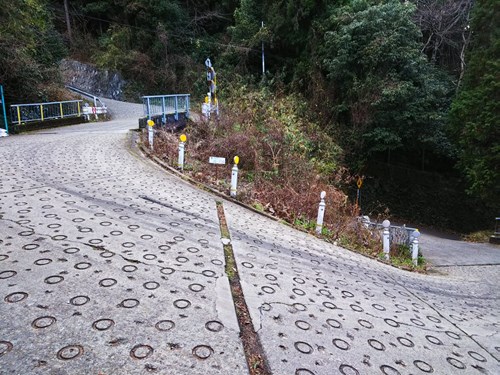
(89, 78)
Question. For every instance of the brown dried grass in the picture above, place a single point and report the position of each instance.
(275, 174)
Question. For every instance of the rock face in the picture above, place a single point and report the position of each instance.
(95, 81)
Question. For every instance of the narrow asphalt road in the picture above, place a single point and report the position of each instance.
(109, 265)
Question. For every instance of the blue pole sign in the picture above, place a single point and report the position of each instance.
(2, 100)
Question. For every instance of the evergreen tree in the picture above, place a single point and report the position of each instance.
(475, 113)
(386, 96)
(30, 50)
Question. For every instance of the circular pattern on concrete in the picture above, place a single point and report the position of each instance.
(202, 351)
(5, 347)
(165, 325)
(70, 352)
(141, 351)
(43, 322)
(15, 297)
(103, 324)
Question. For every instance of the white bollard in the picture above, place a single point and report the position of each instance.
(151, 133)
(180, 162)
(414, 247)
(321, 213)
(385, 238)
(234, 177)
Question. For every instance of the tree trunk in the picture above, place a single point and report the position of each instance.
(465, 39)
(68, 23)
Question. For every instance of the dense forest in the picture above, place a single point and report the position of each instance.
(409, 90)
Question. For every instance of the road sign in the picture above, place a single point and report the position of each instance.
(360, 182)
(217, 160)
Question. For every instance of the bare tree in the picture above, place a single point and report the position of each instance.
(445, 29)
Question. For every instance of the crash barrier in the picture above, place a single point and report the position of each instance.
(94, 98)
(94, 111)
(23, 113)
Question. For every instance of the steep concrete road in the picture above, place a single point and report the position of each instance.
(95, 278)
(108, 265)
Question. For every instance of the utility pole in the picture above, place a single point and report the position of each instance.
(263, 62)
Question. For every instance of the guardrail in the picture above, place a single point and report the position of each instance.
(164, 105)
(22, 113)
(84, 93)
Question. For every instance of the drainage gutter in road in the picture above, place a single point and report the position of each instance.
(254, 353)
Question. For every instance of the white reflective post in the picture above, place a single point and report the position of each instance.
(234, 177)
(414, 247)
(151, 133)
(180, 162)
(321, 213)
(385, 238)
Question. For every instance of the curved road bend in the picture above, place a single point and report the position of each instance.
(108, 265)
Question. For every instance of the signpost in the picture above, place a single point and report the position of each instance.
(211, 102)
(358, 194)
(217, 161)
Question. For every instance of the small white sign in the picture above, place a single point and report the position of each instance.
(216, 160)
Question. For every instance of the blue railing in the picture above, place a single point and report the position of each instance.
(165, 105)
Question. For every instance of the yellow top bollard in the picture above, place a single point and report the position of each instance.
(151, 123)
(236, 160)
(183, 138)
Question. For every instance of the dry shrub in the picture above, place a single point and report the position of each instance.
(279, 167)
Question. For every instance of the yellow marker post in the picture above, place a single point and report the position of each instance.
(78, 109)
(19, 115)
(234, 176)
(60, 106)
(180, 160)
(41, 111)
(151, 123)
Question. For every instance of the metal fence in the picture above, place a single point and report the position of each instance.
(22, 113)
(401, 235)
(164, 105)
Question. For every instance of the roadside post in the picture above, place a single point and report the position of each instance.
(359, 183)
(414, 247)
(385, 238)
(321, 213)
(234, 176)
(2, 100)
(180, 163)
(151, 133)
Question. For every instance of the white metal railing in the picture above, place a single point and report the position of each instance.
(84, 93)
(401, 235)
(394, 234)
